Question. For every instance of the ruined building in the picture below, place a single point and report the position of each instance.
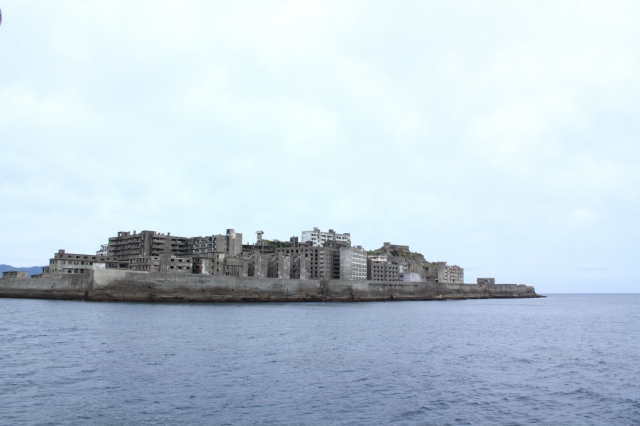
(318, 238)
(128, 248)
(380, 268)
(320, 255)
(352, 263)
(314, 261)
(443, 273)
(230, 244)
(74, 263)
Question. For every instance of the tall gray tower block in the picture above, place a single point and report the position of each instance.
(234, 242)
(260, 264)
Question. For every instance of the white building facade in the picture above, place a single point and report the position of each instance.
(353, 263)
(318, 238)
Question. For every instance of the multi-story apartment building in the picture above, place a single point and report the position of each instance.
(353, 263)
(451, 274)
(443, 273)
(318, 238)
(127, 246)
(230, 244)
(141, 251)
(320, 260)
(211, 244)
(145, 263)
(211, 264)
(165, 262)
(382, 271)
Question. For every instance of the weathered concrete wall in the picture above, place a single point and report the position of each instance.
(117, 285)
(71, 286)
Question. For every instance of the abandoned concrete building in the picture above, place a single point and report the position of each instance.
(452, 274)
(15, 274)
(322, 256)
(230, 244)
(382, 270)
(411, 267)
(127, 246)
(141, 251)
(164, 262)
(74, 263)
(104, 250)
(353, 263)
(317, 260)
(395, 247)
(443, 273)
(318, 238)
(302, 257)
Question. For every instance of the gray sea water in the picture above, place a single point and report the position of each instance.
(566, 359)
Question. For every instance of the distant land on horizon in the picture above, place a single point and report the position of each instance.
(31, 270)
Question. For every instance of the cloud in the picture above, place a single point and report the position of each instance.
(583, 217)
(496, 134)
(595, 268)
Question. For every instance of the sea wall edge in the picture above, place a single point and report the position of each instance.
(120, 285)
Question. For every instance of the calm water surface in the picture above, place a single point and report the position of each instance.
(567, 359)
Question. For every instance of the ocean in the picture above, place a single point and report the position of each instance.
(561, 360)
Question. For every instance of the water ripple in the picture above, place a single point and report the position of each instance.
(569, 359)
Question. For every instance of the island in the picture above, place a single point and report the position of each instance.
(149, 266)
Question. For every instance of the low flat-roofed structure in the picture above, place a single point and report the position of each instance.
(15, 274)
(75, 263)
(395, 247)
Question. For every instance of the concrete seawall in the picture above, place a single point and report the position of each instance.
(118, 285)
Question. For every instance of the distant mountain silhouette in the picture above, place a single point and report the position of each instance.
(31, 270)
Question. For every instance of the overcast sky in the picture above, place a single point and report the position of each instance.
(499, 136)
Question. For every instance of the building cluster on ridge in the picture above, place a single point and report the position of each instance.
(316, 255)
